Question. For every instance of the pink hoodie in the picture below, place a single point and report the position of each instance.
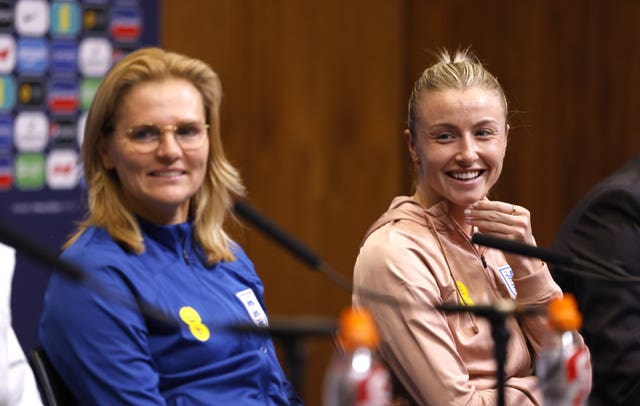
(447, 359)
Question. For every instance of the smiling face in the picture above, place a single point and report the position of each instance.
(459, 144)
(158, 185)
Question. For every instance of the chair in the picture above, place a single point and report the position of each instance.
(53, 390)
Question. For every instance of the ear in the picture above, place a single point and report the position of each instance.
(104, 149)
(411, 144)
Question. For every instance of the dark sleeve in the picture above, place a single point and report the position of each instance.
(606, 232)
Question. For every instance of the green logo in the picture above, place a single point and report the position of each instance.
(88, 88)
(29, 171)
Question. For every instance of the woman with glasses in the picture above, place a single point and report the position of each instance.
(420, 250)
(159, 189)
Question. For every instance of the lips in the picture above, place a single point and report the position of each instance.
(168, 173)
(466, 175)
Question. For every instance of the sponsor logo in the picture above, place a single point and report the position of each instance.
(63, 95)
(95, 19)
(7, 53)
(65, 19)
(6, 15)
(7, 93)
(31, 92)
(31, 131)
(88, 89)
(121, 51)
(95, 56)
(6, 171)
(64, 56)
(62, 169)
(126, 22)
(29, 171)
(6, 132)
(62, 133)
(33, 55)
(32, 17)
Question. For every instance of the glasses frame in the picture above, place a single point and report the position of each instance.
(148, 147)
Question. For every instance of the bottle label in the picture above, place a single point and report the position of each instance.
(578, 375)
(374, 389)
(565, 375)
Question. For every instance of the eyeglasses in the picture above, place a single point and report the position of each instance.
(145, 138)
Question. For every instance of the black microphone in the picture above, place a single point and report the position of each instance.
(302, 253)
(71, 271)
(22, 243)
(269, 228)
(571, 264)
(310, 258)
(297, 327)
(500, 308)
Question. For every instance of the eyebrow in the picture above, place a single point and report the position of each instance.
(454, 127)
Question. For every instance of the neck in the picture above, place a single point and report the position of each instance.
(456, 212)
(427, 199)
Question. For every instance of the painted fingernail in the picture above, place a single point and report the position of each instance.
(467, 211)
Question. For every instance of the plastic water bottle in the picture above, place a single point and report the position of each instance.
(355, 376)
(564, 365)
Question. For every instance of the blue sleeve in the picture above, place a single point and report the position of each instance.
(99, 339)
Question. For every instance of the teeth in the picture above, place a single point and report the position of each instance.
(168, 173)
(466, 175)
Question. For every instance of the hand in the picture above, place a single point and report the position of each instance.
(505, 220)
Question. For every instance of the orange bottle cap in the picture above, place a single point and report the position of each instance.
(357, 329)
(563, 313)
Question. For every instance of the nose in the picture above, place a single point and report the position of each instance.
(468, 152)
(168, 146)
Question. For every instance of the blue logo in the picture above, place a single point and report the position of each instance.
(6, 132)
(7, 93)
(64, 56)
(33, 55)
(65, 19)
(126, 22)
(63, 95)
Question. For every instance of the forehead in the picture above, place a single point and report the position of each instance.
(457, 104)
(162, 99)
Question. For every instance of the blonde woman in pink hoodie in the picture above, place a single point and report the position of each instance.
(420, 250)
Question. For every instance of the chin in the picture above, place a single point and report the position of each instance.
(466, 200)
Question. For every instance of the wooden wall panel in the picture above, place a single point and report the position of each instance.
(570, 70)
(315, 102)
(313, 116)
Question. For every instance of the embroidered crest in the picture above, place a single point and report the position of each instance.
(507, 277)
(250, 302)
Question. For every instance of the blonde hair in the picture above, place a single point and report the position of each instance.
(460, 71)
(211, 203)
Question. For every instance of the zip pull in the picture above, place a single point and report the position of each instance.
(484, 261)
(184, 251)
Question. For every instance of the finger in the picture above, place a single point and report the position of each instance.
(499, 207)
